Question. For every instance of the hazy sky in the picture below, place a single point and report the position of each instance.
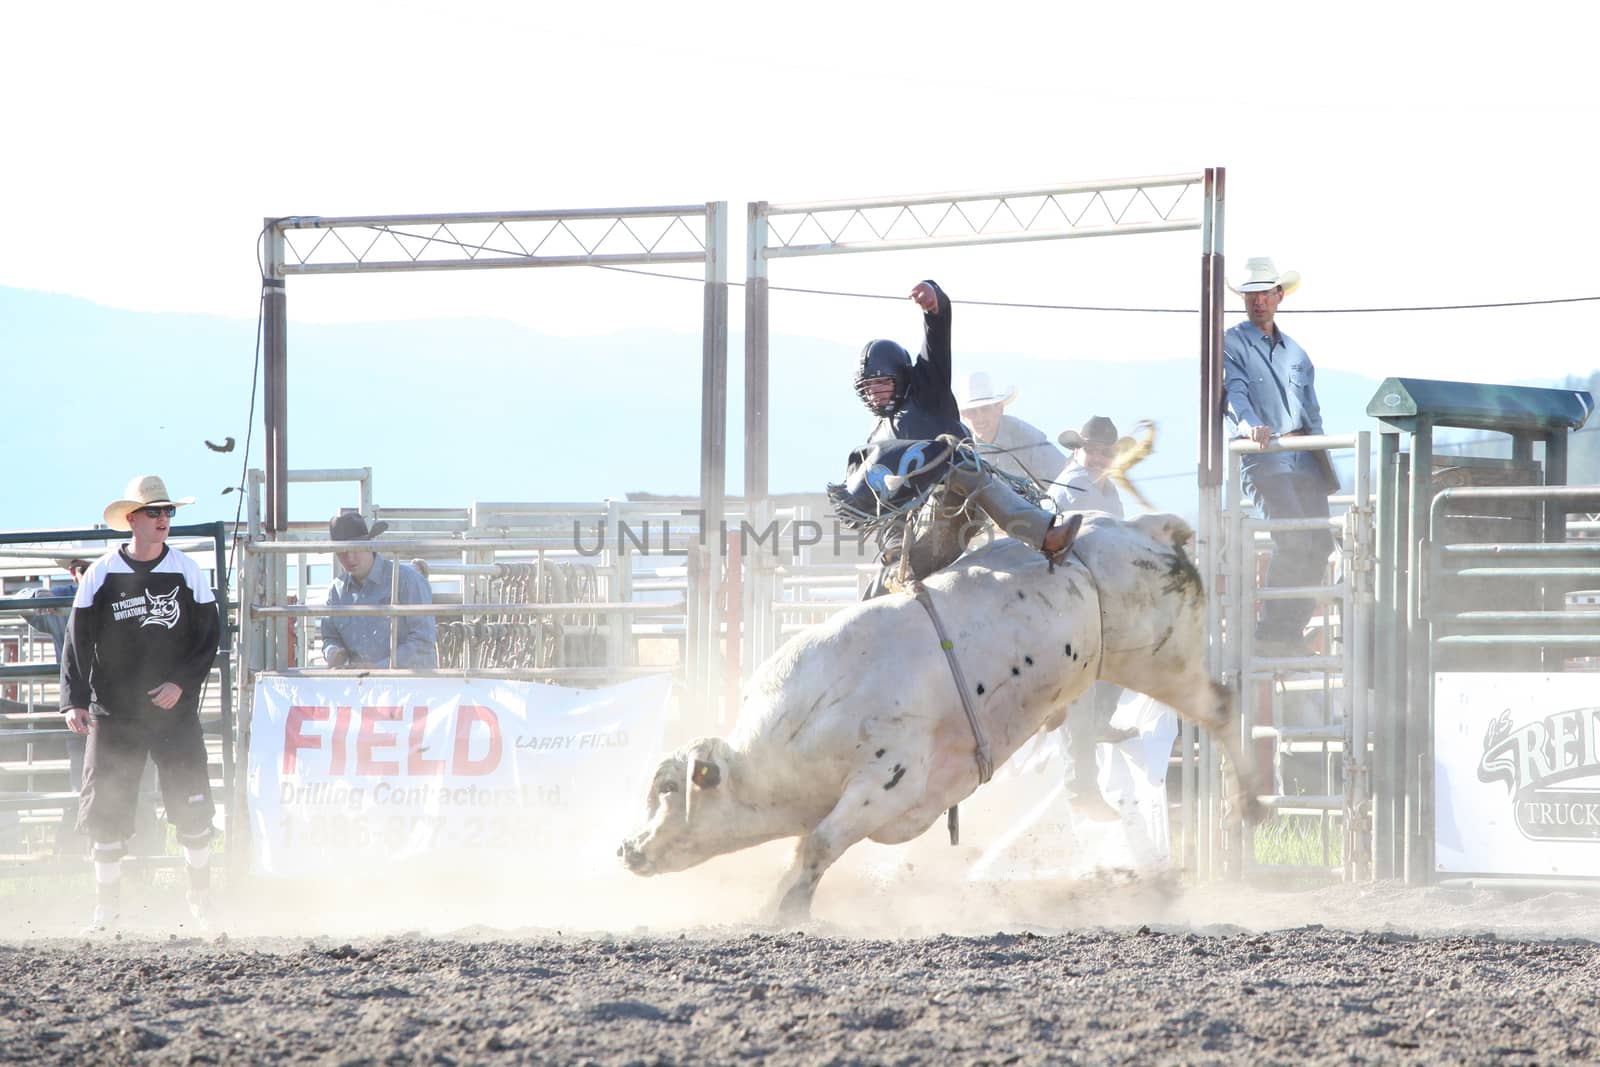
(1392, 153)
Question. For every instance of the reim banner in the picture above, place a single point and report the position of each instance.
(1517, 774)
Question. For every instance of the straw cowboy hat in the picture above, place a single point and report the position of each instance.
(1097, 431)
(144, 491)
(977, 390)
(1261, 275)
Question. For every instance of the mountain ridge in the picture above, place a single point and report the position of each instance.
(451, 410)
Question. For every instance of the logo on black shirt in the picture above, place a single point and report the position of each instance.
(163, 609)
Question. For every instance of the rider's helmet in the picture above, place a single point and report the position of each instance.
(884, 359)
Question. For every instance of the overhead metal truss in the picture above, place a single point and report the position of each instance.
(476, 241)
(1170, 202)
(1096, 209)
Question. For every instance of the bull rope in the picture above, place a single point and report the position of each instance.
(1100, 605)
(981, 743)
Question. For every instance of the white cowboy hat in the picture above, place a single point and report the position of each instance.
(144, 491)
(1261, 275)
(978, 389)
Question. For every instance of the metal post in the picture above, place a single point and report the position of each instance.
(1358, 685)
(1189, 821)
(1554, 531)
(755, 423)
(1208, 417)
(1387, 740)
(1212, 263)
(755, 361)
(713, 439)
(275, 361)
(1419, 673)
(1240, 544)
(394, 598)
(302, 632)
(734, 611)
(238, 829)
(1199, 785)
(1398, 692)
(275, 413)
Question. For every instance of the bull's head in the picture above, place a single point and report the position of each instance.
(690, 813)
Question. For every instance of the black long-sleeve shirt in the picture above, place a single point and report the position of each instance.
(136, 625)
(930, 407)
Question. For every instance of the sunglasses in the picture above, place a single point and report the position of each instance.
(155, 513)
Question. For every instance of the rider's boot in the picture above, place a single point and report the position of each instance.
(1010, 511)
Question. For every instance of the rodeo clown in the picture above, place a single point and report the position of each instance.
(140, 642)
(910, 448)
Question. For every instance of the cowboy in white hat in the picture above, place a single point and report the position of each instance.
(1270, 388)
(1007, 442)
(145, 491)
(140, 646)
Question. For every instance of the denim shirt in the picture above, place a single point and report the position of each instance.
(1268, 384)
(366, 638)
(49, 621)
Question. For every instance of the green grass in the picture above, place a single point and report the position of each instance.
(1297, 840)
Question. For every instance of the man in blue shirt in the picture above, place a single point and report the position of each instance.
(53, 623)
(363, 641)
(1270, 388)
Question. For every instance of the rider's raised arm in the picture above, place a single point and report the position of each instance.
(935, 356)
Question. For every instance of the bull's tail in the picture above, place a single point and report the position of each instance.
(1167, 528)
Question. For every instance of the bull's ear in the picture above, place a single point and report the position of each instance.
(706, 775)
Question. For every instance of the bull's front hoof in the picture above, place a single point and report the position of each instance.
(633, 859)
(794, 909)
(1250, 808)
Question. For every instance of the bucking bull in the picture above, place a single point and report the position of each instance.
(854, 728)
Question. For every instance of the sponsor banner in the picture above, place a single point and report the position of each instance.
(348, 776)
(1517, 774)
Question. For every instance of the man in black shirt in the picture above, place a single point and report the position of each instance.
(140, 644)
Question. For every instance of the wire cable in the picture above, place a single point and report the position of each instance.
(480, 248)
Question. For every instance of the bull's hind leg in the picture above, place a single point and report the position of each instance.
(1210, 705)
(868, 802)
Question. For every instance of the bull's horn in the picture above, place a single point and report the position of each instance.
(688, 781)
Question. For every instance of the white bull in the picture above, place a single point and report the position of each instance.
(854, 728)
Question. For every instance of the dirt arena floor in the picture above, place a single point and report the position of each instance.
(900, 966)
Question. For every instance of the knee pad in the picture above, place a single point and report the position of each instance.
(196, 838)
(108, 851)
